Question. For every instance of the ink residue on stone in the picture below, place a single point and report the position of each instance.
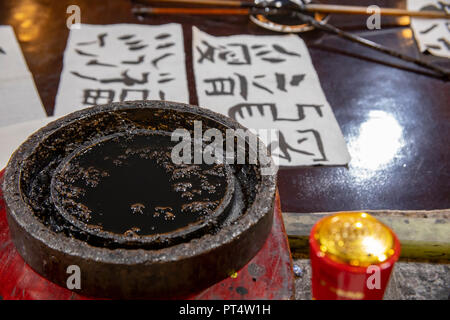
(128, 184)
(39, 175)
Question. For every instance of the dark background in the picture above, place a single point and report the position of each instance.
(396, 120)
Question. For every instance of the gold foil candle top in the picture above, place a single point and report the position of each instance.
(355, 238)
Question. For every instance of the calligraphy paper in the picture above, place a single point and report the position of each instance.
(107, 63)
(269, 82)
(12, 136)
(18, 95)
(432, 35)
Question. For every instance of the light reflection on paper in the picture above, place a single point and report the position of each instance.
(378, 142)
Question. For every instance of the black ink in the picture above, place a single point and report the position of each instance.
(429, 29)
(273, 60)
(97, 96)
(296, 79)
(286, 148)
(82, 53)
(126, 37)
(132, 48)
(124, 94)
(319, 143)
(282, 50)
(86, 43)
(165, 45)
(208, 54)
(262, 87)
(231, 57)
(165, 80)
(281, 81)
(433, 46)
(220, 86)
(100, 39)
(75, 73)
(262, 53)
(243, 86)
(95, 62)
(133, 43)
(272, 109)
(138, 61)
(162, 36)
(445, 42)
(301, 112)
(237, 109)
(443, 7)
(257, 46)
(156, 60)
(127, 80)
(245, 54)
(257, 82)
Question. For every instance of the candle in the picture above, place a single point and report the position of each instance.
(352, 256)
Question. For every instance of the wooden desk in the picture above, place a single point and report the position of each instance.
(396, 122)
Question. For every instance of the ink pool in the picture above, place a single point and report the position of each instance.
(127, 184)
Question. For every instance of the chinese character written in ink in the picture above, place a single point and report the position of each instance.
(312, 136)
(145, 62)
(270, 109)
(242, 54)
(226, 86)
(440, 42)
(103, 96)
(298, 138)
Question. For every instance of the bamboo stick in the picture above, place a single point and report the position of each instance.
(218, 3)
(195, 11)
(383, 11)
(322, 8)
(445, 74)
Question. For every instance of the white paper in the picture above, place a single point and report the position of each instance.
(105, 63)
(432, 35)
(269, 82)
(11, 137)
(19, 99)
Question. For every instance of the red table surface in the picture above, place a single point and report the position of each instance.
(268, 275)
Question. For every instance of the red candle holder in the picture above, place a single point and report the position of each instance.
(352, 257)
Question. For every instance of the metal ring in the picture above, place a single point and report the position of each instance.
(262, 21)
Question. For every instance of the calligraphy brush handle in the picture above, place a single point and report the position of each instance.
(317, 24)
(370, 44)
(194, 11)
(322, 8)
(330, 8)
